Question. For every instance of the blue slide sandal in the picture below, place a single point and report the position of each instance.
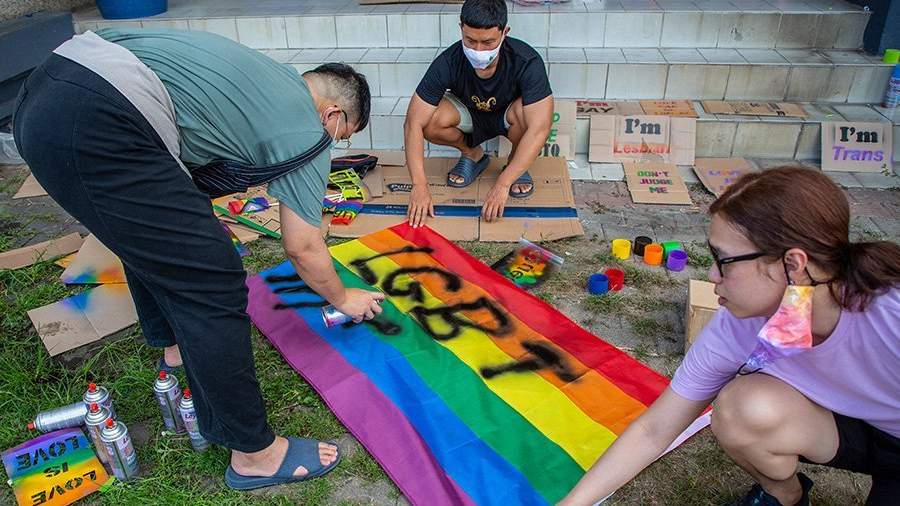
(525, 178)
(468, 169)
(301, 452)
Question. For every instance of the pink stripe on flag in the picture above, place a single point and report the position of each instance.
(357, 402)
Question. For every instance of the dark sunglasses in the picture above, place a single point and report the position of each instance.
(722, 262)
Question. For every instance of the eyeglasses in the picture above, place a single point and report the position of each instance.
(721, 262)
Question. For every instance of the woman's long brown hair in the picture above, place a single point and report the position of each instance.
(794, 207)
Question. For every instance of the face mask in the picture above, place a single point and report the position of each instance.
(482, 59)
(335, 140)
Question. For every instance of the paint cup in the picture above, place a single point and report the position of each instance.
(677, 260)
(641, 242)
(670, 246)
(653, 254)
(598, 284)
(621, 249)
(891, 56)
(616, 279)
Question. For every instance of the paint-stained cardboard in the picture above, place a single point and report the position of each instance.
(754, 108)
(717, 174)
(702, 306)
(677, 108)
(856, 146)
(589, 108)
(267, 221)
(561, 139)
(94, 264)
(30, 255)
(553, 188)
(658, 139)
(30, 188)
(656, 183)
(84, 318)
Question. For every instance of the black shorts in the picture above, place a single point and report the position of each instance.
(864, 449)
(486, 126)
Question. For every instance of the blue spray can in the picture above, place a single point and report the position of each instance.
(892, 95)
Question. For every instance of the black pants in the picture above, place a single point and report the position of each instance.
(100, 159)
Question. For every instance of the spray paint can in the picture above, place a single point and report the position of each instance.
(59, 418)
(168, 395)
(332, 317)
(122, 457)
(189, 418)
(95, 420)
(892, 94)
(100, 395)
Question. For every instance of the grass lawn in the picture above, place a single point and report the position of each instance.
(645, 321)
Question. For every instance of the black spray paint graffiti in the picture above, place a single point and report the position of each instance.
(541, 355)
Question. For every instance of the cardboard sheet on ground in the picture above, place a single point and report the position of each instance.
(464, 379)
(754, 108)
(589, 108)
(677, 108)
(665, 139)
(561, 140)
(94, 264)
(30, 188)
(84, 318)
(656, 183)
(54, 469)
(855, 146)
(549, 213)
(267, 221)
(717, 174)
(29, 255)
(702, 306)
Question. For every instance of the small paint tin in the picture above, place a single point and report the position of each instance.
(616, 279)
(621, 249)
(677, 260)
(641, 242)
(598, 284)
(331, 316)
(653, 254)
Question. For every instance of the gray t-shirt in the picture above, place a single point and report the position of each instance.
(234, 103)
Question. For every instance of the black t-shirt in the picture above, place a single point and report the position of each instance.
(520, 73)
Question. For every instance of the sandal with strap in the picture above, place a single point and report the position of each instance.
(301, 452)
(525, 178)
(467, 169)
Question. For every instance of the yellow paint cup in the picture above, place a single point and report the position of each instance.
(621, 249)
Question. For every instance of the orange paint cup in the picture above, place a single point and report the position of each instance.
(621, 249)
(653, 254)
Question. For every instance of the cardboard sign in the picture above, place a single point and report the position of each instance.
(702, 306)
(717, 174)
(84, 318)
(54, 469)
(657, 139)
(561, 139)
(656, 183)
(588, 108)
(676, 108)
(30, 188)
(30, 255)
(855, 146)
(377, 2)
(754, 108)
(94, 264)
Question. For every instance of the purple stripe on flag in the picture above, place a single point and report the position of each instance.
(357, 402)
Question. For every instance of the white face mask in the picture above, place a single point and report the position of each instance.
(482, 59)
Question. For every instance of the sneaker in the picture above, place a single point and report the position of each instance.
(756, 496)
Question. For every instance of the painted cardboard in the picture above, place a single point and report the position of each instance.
(94, 264)
(561, 139)
(754, 108)
(589, 108)
(54, 469)
(702, 306)
(656, 183)
(658, 139)
(676, 108)
(84, 318)
(30, 188)
(30, 255)
(267, 221)
(717, 174)
(855, 146)
(553, 188)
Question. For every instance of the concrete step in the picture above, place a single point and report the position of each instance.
(613, 73)
(760, 24)
(717, 135)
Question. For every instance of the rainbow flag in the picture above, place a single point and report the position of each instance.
(466, 389)
(56, 468)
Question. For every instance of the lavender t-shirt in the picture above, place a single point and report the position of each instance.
(855, 372)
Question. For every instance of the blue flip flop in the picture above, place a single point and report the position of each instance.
(525, 178)
(163, 366)
(301, 452)
(468, 169)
